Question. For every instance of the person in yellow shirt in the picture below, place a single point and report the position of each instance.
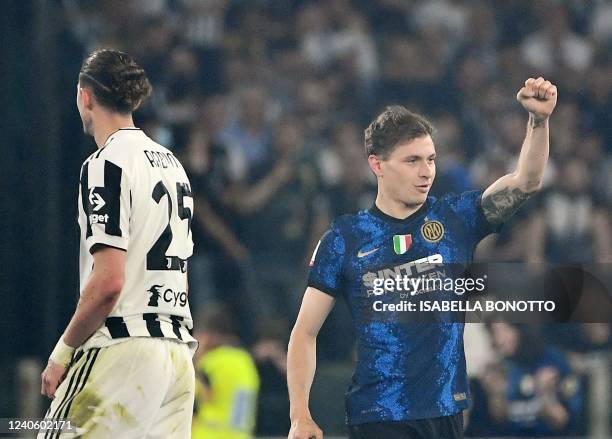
(227, 382)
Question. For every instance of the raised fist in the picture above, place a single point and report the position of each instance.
(538, 97)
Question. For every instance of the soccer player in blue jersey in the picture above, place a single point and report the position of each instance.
(410, 381)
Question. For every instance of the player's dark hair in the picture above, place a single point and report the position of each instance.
(117, 81)
(394, 125)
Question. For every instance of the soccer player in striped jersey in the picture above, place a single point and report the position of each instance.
(123, 366)
(410, 381)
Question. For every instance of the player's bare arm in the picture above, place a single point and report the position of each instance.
(503, 198)
(301, 361)
(99, 296)
(97, 301)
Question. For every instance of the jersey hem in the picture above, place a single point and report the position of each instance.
(414, 417)
(118, 242)
(100, 343)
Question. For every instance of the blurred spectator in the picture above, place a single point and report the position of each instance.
(248, 132)
(411, 74)
(348, 180)
(452, 173)
(270, 354)
(448, 16)
(315, 107)
(482, 35)
(203, 29)
(152, 46)
(316, 34)
(594, 101)
(569, 210)
(227, 382)
(533, 392)
(94, 23)
(215, 271)
(601, 21)
(182, 94)
(581, 337)
(203, 23)
(281, 219)
(334, 33)
(565, 138)
(556, 45)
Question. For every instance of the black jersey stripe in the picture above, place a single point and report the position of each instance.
(66, 411)
(176, 326)
(72, 386)
(112, 192)
(85, 197)
(116, 327)
(153, 325)
(119, 328)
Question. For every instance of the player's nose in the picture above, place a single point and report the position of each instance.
(426, 170)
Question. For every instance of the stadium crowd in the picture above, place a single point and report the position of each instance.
(265, 102)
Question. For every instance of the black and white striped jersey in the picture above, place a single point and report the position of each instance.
(134, 195)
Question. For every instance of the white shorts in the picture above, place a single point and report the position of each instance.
(140, 388)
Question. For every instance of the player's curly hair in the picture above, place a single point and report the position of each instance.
(117, 81)
(394, 125)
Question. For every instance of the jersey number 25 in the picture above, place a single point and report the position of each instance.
(157, 259)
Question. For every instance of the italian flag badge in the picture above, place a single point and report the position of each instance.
(401, 243)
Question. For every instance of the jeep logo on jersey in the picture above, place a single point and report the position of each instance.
(432, 231)
(176, 298)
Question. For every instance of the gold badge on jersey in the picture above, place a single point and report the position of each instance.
(432, 231)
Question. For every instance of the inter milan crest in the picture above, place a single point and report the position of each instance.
(432, 231)
(401, 243)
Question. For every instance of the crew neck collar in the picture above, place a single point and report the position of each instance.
(375, 210)
(110, 136)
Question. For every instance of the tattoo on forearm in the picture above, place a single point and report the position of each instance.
(501, 205)
(536, 123)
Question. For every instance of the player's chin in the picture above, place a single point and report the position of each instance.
(416, 199)
(420, 194)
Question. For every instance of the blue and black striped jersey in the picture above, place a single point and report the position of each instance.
(404, 371)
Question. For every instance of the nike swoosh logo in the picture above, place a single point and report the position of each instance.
(361, 254)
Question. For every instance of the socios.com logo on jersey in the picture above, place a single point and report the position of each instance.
(157, 292)
(97, 206)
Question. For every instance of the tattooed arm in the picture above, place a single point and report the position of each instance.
(503, 198)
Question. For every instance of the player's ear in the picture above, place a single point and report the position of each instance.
(374, 161)
(88, 98)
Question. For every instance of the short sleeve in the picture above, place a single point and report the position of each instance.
(326, 263)
(468, 207)
(105, 202)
